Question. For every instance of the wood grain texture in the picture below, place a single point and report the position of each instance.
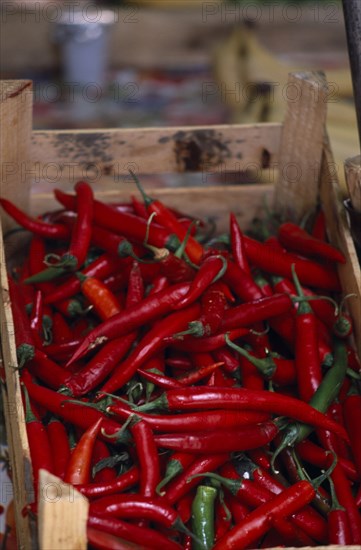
(15, 135)
(352, 15)
(353, 180)
(14, 413)
(339, 234)
(63, 513)
(154, 150)
(301, 145)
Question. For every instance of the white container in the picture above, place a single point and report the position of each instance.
(83, 37)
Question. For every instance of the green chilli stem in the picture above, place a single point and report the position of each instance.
(181, 249)
(266, 366)
(146, 198)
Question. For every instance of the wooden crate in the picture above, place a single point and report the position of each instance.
(297, 154)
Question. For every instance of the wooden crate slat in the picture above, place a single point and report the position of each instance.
(301, 145)
(15, 424)
(206, 149)
(353, 180)
(15, 135)
(339, 234)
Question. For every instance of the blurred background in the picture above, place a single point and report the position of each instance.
(174, 63)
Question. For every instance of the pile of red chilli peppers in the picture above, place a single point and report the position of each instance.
(200, 394)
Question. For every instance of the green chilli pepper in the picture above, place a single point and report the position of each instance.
(203, 517)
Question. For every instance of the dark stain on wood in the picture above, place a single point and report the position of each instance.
(19, 90)
(84, 148)
(164, 139)
(265, 158)
(107, 169)
(196, 150)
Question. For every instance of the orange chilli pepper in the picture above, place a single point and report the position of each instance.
(104, 301)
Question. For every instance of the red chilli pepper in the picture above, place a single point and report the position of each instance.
(254, 495)
(308, 364)
(124, 223)
(280, 263)
(63, 351)
(99, 367)
(130, 532)
(167, 218)
(296, 239)
(110, 242)
(60, 329)
(211, 269)
(59, 444)
(147, 456)
(237, 245)
(106, 541)
(194, 344)
(214, 304)
(312, 453)
(191, 422)
(38, 227)
(79, 466)
(307, 519)
(49, 372)
(151, 343)
(241, 283)
(37, 318)
(101, 453)
(198, 397)
(237, 439)
(171, 266)
(223, 520)
(338, 522)
(352, 415)
(346, 499)
(24, 337)
(122, 483)
(146, 311)
(194, 376)
(136, 506)
(176, 465)
(253, 312)
(159, 380)
(79, 415)
(186, 481)
(74, 257)
(82, 229)
(40, 451)
(101, 268)
(258, 522)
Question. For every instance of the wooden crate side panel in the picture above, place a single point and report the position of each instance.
(15, 426)
(353, 180)
(15, 132)
(339, 234)
(207, 149)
